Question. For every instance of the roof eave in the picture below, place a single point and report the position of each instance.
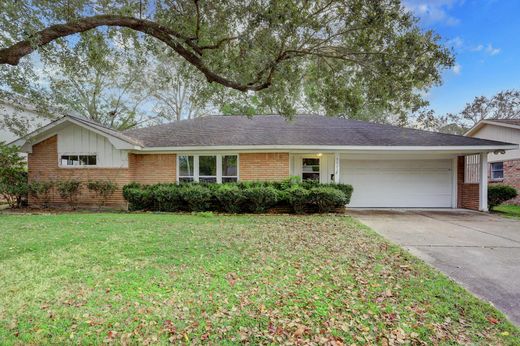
(482, 123)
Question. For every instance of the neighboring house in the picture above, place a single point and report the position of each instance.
(27, 113)
(388, 166)
(503, 167)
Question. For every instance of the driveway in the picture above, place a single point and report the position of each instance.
(478, 250)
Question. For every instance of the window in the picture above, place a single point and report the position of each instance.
(208, 168)
(311, 169)
(229, 168)
(186, 168)
(78, 160)
(471, 169)
(497, 171)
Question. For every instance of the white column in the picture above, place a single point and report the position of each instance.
(336, 168)
(483, 206)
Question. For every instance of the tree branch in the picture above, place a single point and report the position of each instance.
(12, 55)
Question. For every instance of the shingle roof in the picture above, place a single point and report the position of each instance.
(506, 121)
(301, 130)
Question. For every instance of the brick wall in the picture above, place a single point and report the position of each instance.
(264, 166)
(153, 168)
(511, 177)
(145, 169)
(468, 195)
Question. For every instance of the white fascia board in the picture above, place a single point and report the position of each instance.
(26, 144)
(481, 124)
(328, 148)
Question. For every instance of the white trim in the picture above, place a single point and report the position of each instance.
(332, 148)
(454, 181)
(483, 193)
(78, 155)
(196, 176)
(118, 143)
(481, 124)
(337, 164)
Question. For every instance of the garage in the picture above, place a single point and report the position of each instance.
(399, 183)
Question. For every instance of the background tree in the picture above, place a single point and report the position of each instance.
(335, 57)
(504, 105)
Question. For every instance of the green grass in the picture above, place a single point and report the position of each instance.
(159, 278)
(508, 210)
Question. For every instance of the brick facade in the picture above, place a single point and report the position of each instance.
(264, 166)
(468, 195)
(145, 169)
(142, 168)
(511, 177)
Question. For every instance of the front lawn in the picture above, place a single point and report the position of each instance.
(154, 278)
(508, 210)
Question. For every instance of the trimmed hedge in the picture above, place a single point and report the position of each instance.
(243, 197)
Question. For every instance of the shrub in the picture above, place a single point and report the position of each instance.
(259, 199)
(41, 190)
(499, 193)
(14, 186)
(70, 190)
(298, 198)
(230, 198)
(138, 197)
(197, 197)
(327, 198)
(103, 189)
(345, 188)
(167, 198)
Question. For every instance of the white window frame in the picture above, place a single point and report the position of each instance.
(492, 171)
(319, 165)
(78, 155)
(472, 169)
(196, 175)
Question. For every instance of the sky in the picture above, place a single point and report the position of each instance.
(485, 37)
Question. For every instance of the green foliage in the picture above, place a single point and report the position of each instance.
(366, 59)
(243, 197)
(197, 197)
(69, 190)
(298, 198)
(230, 197)
(103, 189)
(327, 199)
(42, 191)
(499, 193)
(13, 176)
(260, 198)
(168, 197)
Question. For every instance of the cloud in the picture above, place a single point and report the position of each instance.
(492, 50)
(433, 11)
(456, 42)
(456, 69)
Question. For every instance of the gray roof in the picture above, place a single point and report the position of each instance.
(506, 121)
(301, 130)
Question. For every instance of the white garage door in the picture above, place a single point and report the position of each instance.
(399, 183)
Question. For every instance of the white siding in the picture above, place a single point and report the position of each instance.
(74, 139)
(503, 134)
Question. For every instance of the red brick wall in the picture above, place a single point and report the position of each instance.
(511, 177)
(145, 169)
(468, 195)
(264, 166)
(142, 168)
(153, 168)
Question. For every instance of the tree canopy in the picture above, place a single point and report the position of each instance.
(355, 58)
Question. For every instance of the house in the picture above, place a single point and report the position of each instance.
(388, 166)
(503, 167)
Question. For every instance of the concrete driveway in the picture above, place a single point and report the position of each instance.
(478, 250)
